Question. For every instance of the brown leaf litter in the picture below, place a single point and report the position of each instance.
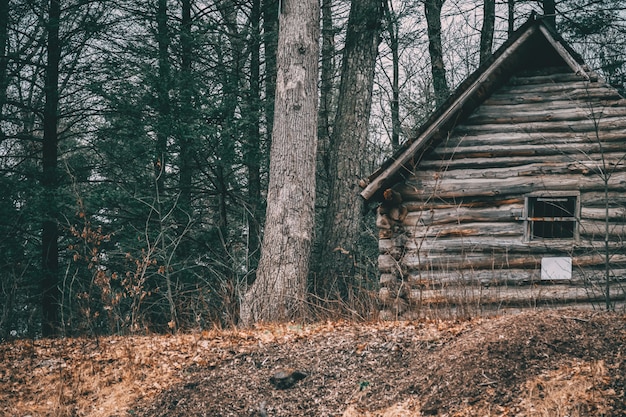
(536, 363)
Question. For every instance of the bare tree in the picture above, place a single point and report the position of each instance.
(49, 180)
(486, 32)
(343, 214)
(433, 20)
(279, 289)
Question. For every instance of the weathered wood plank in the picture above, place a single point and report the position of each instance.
(583, 125)
(598, 199)
(495, 230)
(528, 114)
(441, 204)
(483, 260)
(555, 104)
(505, 277)
(550, 88)
(597, 95)
(423, 189)
(524, 296)
(533, 138)
(463, 215)
(488, 163)
(570, 152)
(596, 229)
(514, 169)
(557, 77)
(494, 248)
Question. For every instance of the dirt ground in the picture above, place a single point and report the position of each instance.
(536, 363)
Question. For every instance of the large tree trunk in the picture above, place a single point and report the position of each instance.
(342, 220)
(486, 32)
(50, 233)
(433, 21)
(279, 289)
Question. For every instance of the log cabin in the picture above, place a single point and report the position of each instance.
(512, 194)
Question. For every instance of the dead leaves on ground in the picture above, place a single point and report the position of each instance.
(108, 376)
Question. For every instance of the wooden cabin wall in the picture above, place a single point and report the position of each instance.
(462, 241)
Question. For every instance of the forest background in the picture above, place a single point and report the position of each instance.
(135, 143)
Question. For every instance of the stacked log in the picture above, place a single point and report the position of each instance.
(463, 239)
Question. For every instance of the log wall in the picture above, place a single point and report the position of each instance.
(463, 240)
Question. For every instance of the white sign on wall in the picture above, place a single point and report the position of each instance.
(556, 268)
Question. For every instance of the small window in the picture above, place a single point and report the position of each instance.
(551, 217)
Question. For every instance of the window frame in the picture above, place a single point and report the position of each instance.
(529, 221)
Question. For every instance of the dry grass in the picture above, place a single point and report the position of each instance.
(121, 376)
(577, 390)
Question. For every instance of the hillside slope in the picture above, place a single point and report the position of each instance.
(539, 363)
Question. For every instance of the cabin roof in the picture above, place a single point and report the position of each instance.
(533, 46)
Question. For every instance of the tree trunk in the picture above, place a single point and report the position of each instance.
(186, 112)
(163, 88)
(253, 143)
(279, 289)
(4, 60)
(549, 11)
(511, 19)
(326, 88)
(50, 233)
(486, 32)
(394, 45)
(342, 219)
(270, 42)
(433, 21)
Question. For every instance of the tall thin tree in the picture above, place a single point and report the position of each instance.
(342, 220)
(486, 31)
(49, 180)
(433, 21)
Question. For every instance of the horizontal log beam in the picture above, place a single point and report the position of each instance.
(425, 189)
(520, 296)
(418, 218)
(450, 261)
(505, 277)
(578, 126)
(569, 112)
(569, 152)
(598, 95)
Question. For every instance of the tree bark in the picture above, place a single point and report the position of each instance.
(270, 43)
(549, 11)
(163, 88)
(186, 112)
(511, 19)
(4, 60)
(253, 144)
(279, 289)
(486, 32)
(342, 219)
(50, 233)
(392, 29)
(433, 21)
(326, 88)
